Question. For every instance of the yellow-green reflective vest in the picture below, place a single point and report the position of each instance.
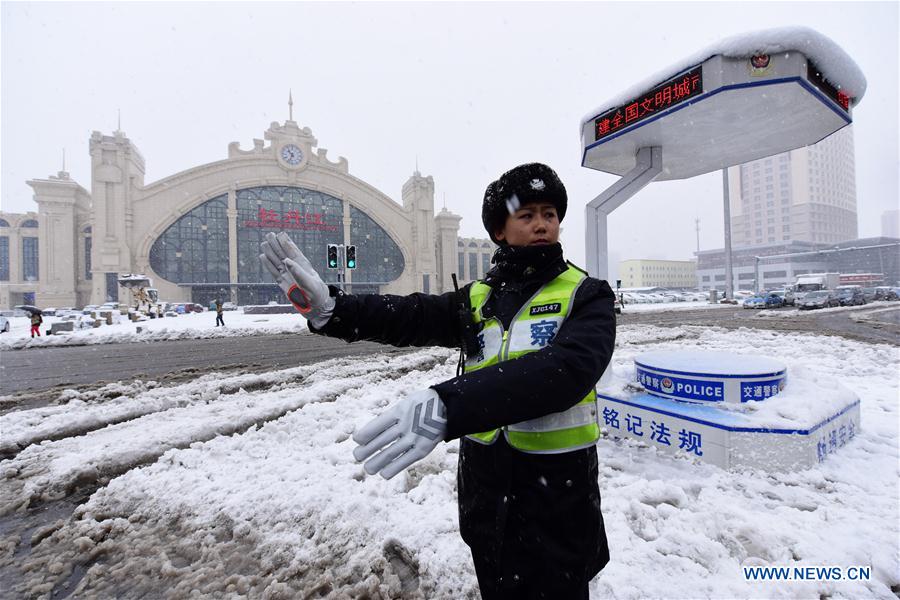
(532, 329)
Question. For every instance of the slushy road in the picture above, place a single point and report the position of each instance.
(38, 369)
(33, 371)
(882, 328)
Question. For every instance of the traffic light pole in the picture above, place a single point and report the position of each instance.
(342, 268)
(341, 258)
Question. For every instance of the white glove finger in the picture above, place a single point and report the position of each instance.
(388, 455)
(307, 279)
(290, 249)
(388, 436)
(373, 428)
(270, 266)
(272, 254)
(274, 247)
(403, 462)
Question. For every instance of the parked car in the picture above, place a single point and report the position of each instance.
(819, 299)
(787, 296)
(4, 325)
(886, 293)
(229, 306)
(85, 321)
(869, 294)
(754, 302)
(850, 296)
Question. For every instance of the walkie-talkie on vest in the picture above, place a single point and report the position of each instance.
(467, 334)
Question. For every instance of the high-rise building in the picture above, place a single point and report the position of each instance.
(806, 195)
(890, 223)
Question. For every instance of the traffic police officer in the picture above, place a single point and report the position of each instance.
(537, 334)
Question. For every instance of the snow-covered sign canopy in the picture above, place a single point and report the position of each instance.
(743, 98)
(130, 281)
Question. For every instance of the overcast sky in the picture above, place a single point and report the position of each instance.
(469, 90)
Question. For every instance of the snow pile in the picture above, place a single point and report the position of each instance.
(283, 511)
(797, 313)
(202, 413)
(834, 63)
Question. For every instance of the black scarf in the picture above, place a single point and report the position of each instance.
(515, 266)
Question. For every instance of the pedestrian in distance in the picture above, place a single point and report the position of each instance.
(36, 320)
(536, 334)
(219, 310)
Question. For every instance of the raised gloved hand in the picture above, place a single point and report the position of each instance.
(296, 277)
(405, 433)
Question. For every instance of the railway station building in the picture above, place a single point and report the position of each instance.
(196, 233)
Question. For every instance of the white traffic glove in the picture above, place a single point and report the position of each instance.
(405, 433)
(296, 277)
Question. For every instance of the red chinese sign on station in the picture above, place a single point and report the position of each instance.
(668, 94)
(292, 219)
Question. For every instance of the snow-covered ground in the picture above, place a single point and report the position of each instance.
(186, 326)
(245, 485)
(793, 313)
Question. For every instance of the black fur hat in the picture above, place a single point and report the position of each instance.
(532, 182)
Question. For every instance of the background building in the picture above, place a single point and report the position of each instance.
(658, 273)
(779, 265)
(196, 233)
(890, 224)
(473, 258)
(806, 195)
(20, 267)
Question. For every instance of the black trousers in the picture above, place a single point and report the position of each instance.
(220, 320)
(537, 582)
(532, 522)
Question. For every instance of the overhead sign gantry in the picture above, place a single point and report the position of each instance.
(747, 97)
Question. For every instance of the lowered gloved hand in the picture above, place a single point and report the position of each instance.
(405, 433)
(296, 277)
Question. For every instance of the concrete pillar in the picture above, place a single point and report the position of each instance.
(346, 221)
(231, 212)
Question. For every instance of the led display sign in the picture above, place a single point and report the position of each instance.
(668, 94)
(292, 219)
(816, 78)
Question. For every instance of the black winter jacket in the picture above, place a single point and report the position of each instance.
(518, 511)
(550, 380)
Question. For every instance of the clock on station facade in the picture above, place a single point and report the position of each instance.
(291, 155)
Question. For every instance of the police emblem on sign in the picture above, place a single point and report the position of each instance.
(667, 385)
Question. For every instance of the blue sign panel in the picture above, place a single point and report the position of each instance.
(681, 387)
(760, 390)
